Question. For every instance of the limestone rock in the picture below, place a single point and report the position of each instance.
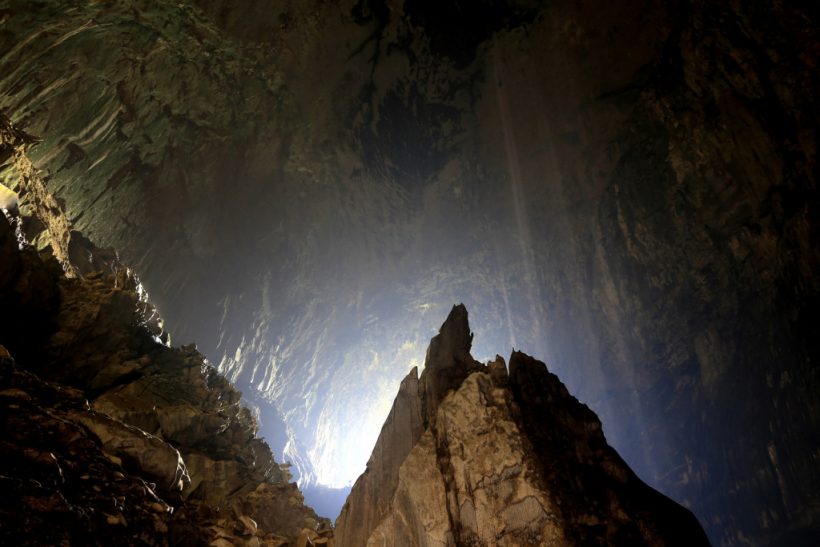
(370, 499)
(60, 484)
(447, 363)
(503, 460)
(45, 222)
(415, 515)
(164, 452)
(280, 507)
(154, 459)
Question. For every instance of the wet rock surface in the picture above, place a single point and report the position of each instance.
(500, 461)
(111, 437)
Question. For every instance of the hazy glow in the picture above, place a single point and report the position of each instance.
(364, 387)
(345, 435)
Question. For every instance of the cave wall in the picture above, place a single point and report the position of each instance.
(627, 189)
(109, 436)
(673, 182)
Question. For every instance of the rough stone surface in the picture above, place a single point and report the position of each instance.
(151, 457)
(148, 446)
(60, 484)
(45, 223)
(492, 497)
(641, 516)
(447, 363)
(370, 500)
(416, 512)
(503, 461)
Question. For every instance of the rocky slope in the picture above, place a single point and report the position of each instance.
(108, 436)
(627, 188)
(470, 455)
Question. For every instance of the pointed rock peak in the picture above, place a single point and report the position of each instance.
(453, 340)
(523, 463)
(531, 376)
(448, 361)
(411, 381)
(522, 365)
(456, 328)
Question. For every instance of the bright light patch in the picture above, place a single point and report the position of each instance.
(345, 436)
(8, 199)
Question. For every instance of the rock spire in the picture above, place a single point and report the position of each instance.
(472, 456)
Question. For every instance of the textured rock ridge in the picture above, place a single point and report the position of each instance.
(556, 424)
(446, 365)
(109, 436)
(448, 362)
(43, 222)
(501, 460)
(371, 498)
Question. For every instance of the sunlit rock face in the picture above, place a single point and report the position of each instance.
(471, 456)
(624, 188)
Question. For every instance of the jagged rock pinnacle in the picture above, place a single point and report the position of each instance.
(448, 361)
(500, 460)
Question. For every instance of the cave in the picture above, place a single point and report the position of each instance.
(232, 228)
